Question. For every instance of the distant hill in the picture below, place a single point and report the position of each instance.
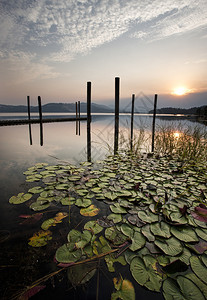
(202, 110)
(56, 108)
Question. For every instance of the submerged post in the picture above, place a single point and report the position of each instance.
(79, 117)
(132, 122)
(40, 117)
(30, 129)
(89, 121)
(116, 125)
(76, 113)
(153, 122)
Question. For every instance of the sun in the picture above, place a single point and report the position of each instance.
(180, 91)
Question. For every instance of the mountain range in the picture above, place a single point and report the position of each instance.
(56, 107)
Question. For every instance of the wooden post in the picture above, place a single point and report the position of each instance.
(76, 113)
(89, 121)
(132, 121)
(40, 117)
(116, 127)
(30, 129)
(153, 122)
(79, 117)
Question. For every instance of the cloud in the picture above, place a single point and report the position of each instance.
(59, 30)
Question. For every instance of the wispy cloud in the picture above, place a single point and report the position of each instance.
(59, 30)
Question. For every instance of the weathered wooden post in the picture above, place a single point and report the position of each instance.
(153, 122)
(116, 126)
(30, 129)
(40, 118)
(132, 121)
(79, 117)
(76, 113)
(89, 121)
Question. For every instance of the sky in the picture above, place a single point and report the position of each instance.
(52, 48)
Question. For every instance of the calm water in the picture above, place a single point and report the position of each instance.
(60, 142)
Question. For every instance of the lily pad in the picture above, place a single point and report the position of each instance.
(40, 238)
(64, 254)
(112, 234)
(160, 229)
(20, 198)
(147, 216)
(81, 202)
(170, 246)
(80, 274)
(125, 290)
(199, 268)
(90, 211)
(93, 226)
(146, 274)
(185, 234)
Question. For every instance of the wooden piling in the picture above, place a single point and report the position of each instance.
(40, 119)
(89, 121)
(29, 118)
(76, 113)
(153, 122)
(116, 125)
(79, 117)
(132, 122)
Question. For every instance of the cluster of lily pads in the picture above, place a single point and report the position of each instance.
(156, 225)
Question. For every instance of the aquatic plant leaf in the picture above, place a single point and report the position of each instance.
(138, 241)
(201, 285)
(198, 248)
(117, 209)
(74, 236)
(85, 239)
(81, 202)
(125, 290)
(189, 289)
(65, 254)
(147, 233)
(160, 229)
(90, 211)
(115, 236)
(145, 275)
(20, 198)
(93, 226)
(67, 201)
(111, 259)
(36, 190)
(39, 205)
(116, 218)
(74, 178)
(184, 256)
(40, 238)
(48, 223)
(185, 234)
(170, 246)
(81, 274)
(110, 195)
(202, 233)
(147, 216)
(127, 230)
(177, 217)
(200, 213)
(199, 268)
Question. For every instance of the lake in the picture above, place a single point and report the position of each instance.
(60, 144)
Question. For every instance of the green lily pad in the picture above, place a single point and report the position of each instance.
(185, 234)
(125, 290)
(147, 216)
(170, 246)
(116, 218)
(112, 234)
(81, 202)
(64, 254)
(199, 268)
(160, 229)
(147, 233)
(20, 198)
(39, 205)
(117, 209)
(90, 211)
(81, 274)
(36, 190)
(146, 274)
(93, 226)
(40, 239)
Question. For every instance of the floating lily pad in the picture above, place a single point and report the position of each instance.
(40, 238)
(170, 246)
(185, 234)
(112, 234)
(39, 205)
(93, 226)
(117, 209)
(81, 274)
(20, 198)
(36, 190)
(146, 274)
(199, 268)
(160, 229)
(147, 216)
(125, 290)
(83, 202)
(65, 254)
(90, 211)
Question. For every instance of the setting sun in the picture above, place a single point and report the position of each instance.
(180, 91)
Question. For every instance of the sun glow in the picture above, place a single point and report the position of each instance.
(180, 91)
